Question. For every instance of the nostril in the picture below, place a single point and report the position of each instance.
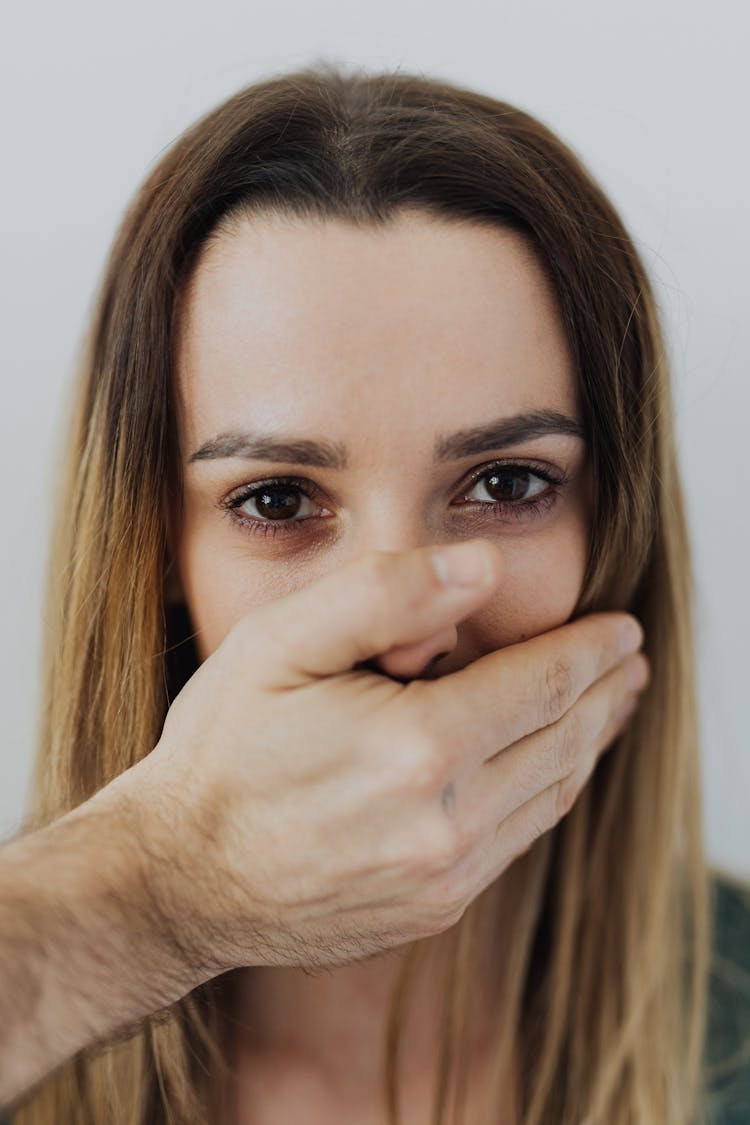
(426, 673)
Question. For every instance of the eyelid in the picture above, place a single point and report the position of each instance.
(532, 507)
(309, 487)
(544, 468)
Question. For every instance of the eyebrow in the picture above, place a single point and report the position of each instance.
(502, 432)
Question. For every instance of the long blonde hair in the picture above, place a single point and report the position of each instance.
(605, 1009)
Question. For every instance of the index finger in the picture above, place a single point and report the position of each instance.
(511, 692)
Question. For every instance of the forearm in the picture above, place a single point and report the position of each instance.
(81, 950)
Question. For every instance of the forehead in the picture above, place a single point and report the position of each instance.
(390, 333)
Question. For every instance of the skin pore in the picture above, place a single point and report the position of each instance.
(385, 341)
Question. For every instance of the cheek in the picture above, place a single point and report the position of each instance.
(219, 587)
(210, 598)
(542, 583)
(540, 590)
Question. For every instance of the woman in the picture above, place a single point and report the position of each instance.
(450, 232)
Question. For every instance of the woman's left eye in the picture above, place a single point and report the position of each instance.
(514, 483)
(521, 489)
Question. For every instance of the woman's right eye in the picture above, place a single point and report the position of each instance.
(272, 500)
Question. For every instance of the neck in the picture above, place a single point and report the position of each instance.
(329, 1023)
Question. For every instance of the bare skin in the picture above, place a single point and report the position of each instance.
(289, 742)
(279, 1080)
(237, 823)
(380, 340)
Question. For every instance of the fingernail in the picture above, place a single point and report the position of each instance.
(461, 564)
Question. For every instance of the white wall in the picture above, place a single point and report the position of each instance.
(654, 97)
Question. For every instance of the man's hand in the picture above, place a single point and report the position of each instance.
(299, 809)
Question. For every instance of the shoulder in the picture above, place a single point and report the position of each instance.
(728, 1032)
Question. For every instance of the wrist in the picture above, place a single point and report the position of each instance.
(148, 870)
(157, 832)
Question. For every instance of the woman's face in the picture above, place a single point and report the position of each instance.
(373, 366)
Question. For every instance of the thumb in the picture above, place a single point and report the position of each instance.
(370, 605)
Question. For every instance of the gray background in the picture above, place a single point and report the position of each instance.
(653, 96)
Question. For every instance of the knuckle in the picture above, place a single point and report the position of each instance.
(445, 902)
(448, 843)
(558, 688)
(463, 837)
(566, 792)
(568, 742)
(531, 827)
(424, 765)
(452, 914)
(421, 768)
(424, 857)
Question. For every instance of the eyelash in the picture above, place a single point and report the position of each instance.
(535, 506)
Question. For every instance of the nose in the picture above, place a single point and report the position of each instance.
(384, 531)
(417, 661)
